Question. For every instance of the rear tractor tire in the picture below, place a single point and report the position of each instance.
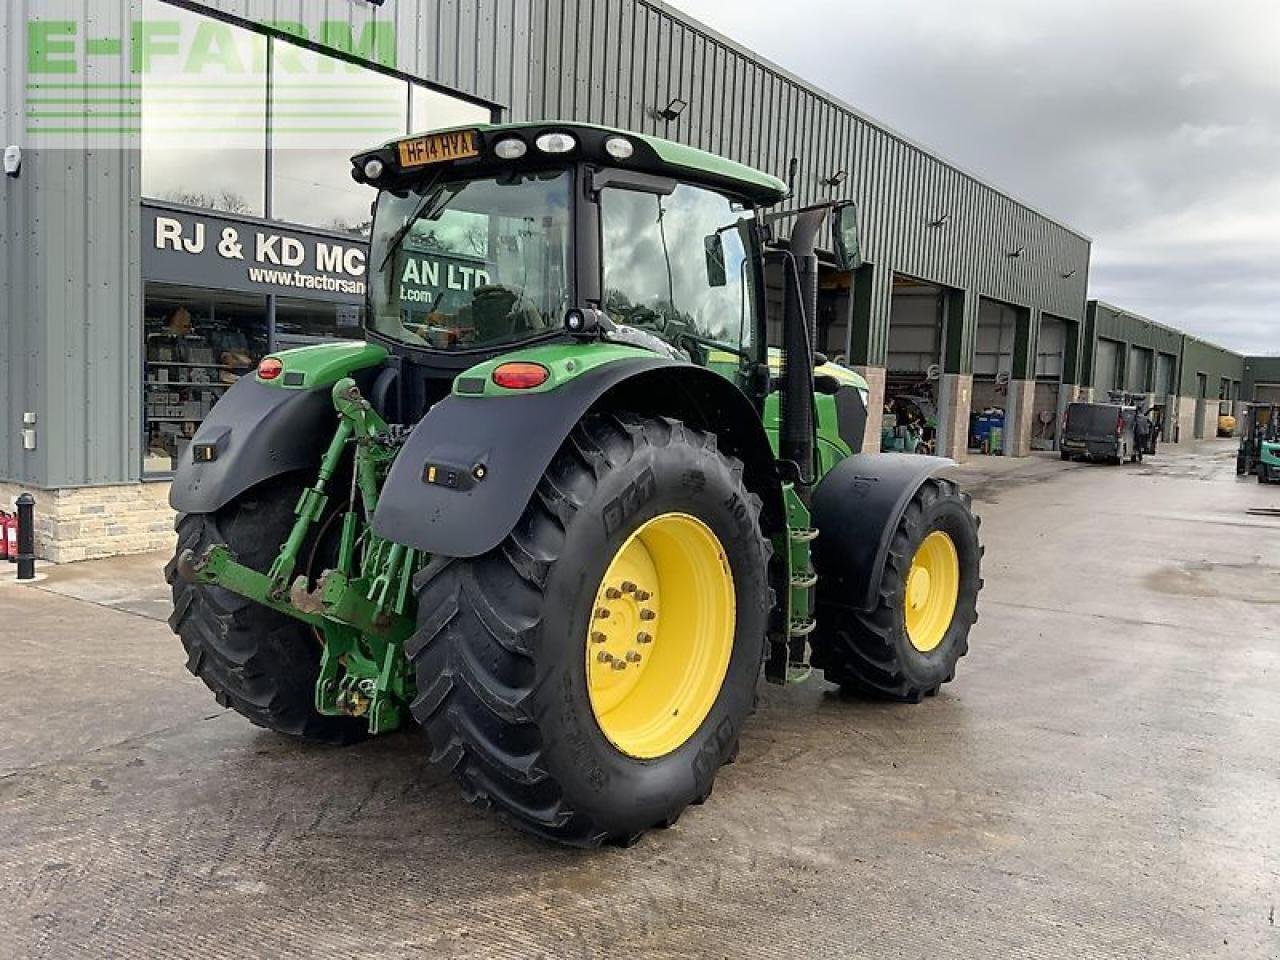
(588, 677)
(908, 645)
(258, 662)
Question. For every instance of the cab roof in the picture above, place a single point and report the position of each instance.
(653, 155)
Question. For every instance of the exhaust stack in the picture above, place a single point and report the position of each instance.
(799, 335)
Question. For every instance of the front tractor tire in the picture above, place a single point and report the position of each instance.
(260, 663)
(908, 645)
(588, 677)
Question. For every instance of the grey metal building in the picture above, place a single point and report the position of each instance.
(107, 258)
(1262, 379)
(1188, 381)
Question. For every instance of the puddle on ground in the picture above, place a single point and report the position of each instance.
(1251, 582)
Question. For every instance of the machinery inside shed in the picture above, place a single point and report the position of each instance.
(917, 331)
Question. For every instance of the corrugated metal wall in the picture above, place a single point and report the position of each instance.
(70, 287)
(72, 334)
(476, 47)
(1258, 370)
(1215, 362)
(1116, 324)
(621, 61)
(72, 312)
(1106, 323)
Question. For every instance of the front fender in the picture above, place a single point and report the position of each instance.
(856, 508)
(470, 466)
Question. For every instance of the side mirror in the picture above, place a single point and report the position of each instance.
(713, 247)
(844, 241)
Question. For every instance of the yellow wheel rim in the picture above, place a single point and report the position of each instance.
(660, 636)
(933, 585)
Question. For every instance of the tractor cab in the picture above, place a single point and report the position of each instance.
(489, 240)
(493, 239)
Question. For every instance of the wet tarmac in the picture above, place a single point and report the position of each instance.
(1101, 780)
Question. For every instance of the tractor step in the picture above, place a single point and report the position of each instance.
(804, 581)
(801, 627)
(804, 534)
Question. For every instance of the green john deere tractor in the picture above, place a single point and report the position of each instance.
(564, 501)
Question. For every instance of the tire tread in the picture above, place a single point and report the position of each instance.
(476, 666)
(855, 649)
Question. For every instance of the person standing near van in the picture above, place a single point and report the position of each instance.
(1141, 433)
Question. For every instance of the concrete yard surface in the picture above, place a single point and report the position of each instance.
(1101, 780)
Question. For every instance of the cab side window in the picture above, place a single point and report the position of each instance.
(679, 265)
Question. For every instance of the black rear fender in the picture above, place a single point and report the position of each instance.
(467, 472)
(856, 508)
(258, 432)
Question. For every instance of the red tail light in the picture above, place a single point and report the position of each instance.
(520, 376)
(270, 368)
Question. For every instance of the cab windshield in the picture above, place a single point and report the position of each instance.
(467, 264)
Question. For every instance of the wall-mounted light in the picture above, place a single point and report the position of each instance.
(836, 178)
(1069, 274)
(672, 109)
(1014, 254)
(941, 221)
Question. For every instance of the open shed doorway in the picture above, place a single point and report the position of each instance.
(835, 311)
(992, 370)
(1202, 400)
(913, 368)
(1166, 399)
(835, 308)
(1050, 401)
(1106, 375)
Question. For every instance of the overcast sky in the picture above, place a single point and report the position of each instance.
(1153, 126)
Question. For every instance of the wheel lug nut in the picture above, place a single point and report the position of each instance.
(647, 614)
(619, 665)
(633, 657)
(644, 638)
(602, 613)
(628, 586)
(613, 593)
(643, 595)
(604, 656)
(598, 637)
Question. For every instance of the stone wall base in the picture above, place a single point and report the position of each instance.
(1186, 419)
(1209, 420)
(955, 395)
(875, 377)
(1019, 410)
(87, 523)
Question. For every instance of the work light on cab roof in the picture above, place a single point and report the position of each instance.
(488, 148)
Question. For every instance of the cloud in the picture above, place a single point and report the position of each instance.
(1151, 125)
